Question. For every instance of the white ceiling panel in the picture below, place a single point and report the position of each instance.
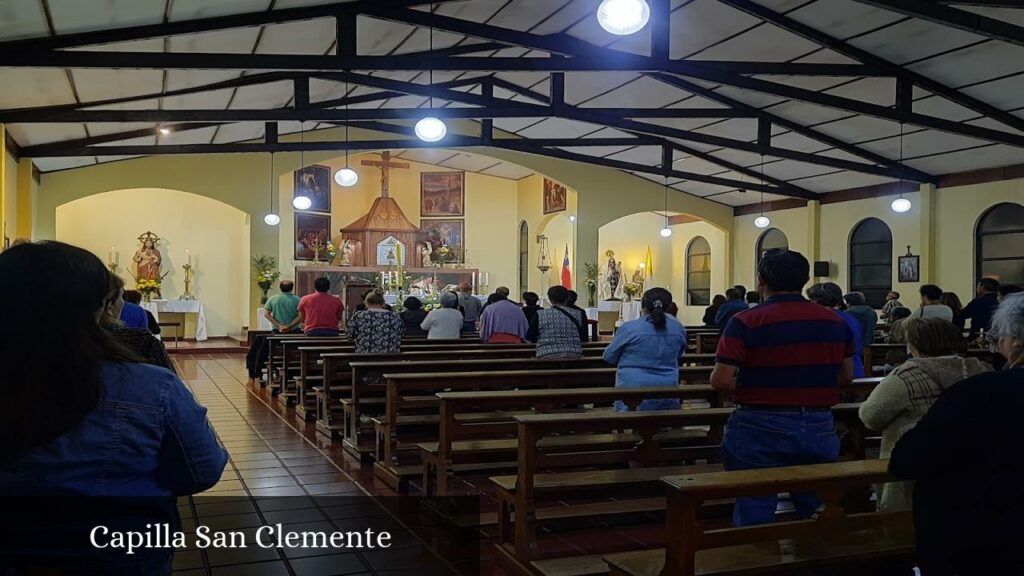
(103, 128)
(141, 141)
(597, 151)
(469, 162)
(76, 16)
(131, 105)
(562, 19)
(737, 198)
(841, 181)
(508, 170)
(922, 143)
(302, 37)
(861, 128)
(524, 14)
(694, 164)
(798, 142)
(704, 22)
(843, 18)
(31, 134)
(702, 188)
(643, 92)
(1007, 93)
(192, 9)
(790, 170)
(646, 155)
(239, 132)
(736, 128)
(559, 128)
(273, 95)
(942, 108)
(54, 164)
(233, 41)
(514, 125)
(767, 42)
(912, 40)
(96, 84)
(24, 88)
(582, 86)
(987, 157)
(752, 98)
(200, 136)
(974, 64)
(150, 45)
(178, 79)
(22, 19)
(377, 37)
(214, 100)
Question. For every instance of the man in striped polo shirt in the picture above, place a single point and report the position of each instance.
(784, 361)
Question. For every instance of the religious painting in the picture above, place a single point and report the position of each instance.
(312, 234)
(314, 182)
(450, 233)
(442, 194)
(554, 197)
(910, 268)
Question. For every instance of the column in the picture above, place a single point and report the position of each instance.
(926, 215)
(584, 251)
(4, 216)
(813, 234)
(26, 199)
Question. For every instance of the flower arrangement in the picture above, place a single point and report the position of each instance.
(266, 273)
(443, 254)
(631, 289)
(332, 251)
(148, 288)
(590, 279)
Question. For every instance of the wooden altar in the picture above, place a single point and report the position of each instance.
(351, 282)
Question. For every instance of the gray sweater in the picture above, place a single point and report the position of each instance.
(443, 324)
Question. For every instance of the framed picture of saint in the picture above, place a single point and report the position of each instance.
(910, 268)
(312, 233)
(450, 233)
(315, 183)
(442, 194)
(554, 197)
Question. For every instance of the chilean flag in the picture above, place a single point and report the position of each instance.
(566, 274)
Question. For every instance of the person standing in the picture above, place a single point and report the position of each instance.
(321, 312)
(953, 301)
(376, 330)
(783, 361)
(135, 297)
(931, 304)
(892, 302)
(502, 322)
(830, 295)
(905, 395)
(967, 517)
(444, 323)
(282, 310)
(735, 303)
(979, 310)
(857, 307)
(558, 331)
(711, 311)
(470, 306)
(646, 351)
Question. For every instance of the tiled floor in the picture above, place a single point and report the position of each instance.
(281, 470)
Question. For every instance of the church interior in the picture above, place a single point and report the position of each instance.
(223, 158)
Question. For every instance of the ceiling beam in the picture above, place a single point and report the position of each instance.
(954, 18)
(195, 26)
(865, 57)
(403, 62)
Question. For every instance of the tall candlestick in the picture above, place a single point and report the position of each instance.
(487, 278)
(188, 257)
(112, 257)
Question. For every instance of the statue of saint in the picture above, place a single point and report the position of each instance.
(638, 279)
(148, 260)
(613, 275)
(426, 251)
(345, 253)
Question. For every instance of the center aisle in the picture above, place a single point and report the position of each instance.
(280, 470)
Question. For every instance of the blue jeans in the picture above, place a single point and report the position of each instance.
(323, 332)
(773, 438)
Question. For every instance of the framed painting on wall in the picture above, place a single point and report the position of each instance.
(554, 197)
(449, 233)
(442, 194)
(312, 232)
(909, 268)
(314, 182)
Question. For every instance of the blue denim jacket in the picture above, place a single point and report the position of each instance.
(646, 356)
(147, 437)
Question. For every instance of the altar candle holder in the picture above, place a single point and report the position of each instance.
(187, 294)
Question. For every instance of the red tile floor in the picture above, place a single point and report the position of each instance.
(281, 470)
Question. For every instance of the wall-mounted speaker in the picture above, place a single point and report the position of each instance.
(822, 268)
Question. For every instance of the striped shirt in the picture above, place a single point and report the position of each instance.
(789, 352)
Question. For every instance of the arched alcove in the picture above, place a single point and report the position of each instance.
(999, 244)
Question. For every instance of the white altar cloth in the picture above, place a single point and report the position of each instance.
(180, 307)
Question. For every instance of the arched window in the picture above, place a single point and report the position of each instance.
(524, 257)
(871, 260)
(698, 272)
(771, 239)
(999, 244)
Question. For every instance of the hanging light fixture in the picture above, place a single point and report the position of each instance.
(430, 128)
(302, 202)
(762, 221)
(666, 231)
(900, 204)
(623, 17)
(346, 176)
(272, 219)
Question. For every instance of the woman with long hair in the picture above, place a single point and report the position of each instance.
(647, 350)
(953, 301)
(83, 416)
(140, 341)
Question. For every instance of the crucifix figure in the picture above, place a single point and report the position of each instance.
(385, 164)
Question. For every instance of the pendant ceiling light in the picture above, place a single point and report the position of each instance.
(762, 221)
(666, 231)
(623, 17)
(301, 201)
(900, 204)
(272, 219)
(346, 176)
(430, 128)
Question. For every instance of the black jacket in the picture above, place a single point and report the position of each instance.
(967, 456)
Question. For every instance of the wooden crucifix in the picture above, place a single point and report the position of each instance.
(385, 164)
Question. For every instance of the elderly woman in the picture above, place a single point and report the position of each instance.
(376, 330)
(857, 306)
(964, 455)
(905, 395)
(444, 323)
(559, 331)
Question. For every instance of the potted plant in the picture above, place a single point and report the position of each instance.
(631, 289)
(266, 273)
(590, 279)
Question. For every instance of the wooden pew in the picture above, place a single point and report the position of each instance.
(875, 354)
(573, 485)
(467, 444)
(411, 408)
(836, 537)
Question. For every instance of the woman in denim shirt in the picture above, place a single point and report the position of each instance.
(647, 350)
(84, 418)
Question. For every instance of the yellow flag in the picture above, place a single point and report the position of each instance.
(648, 264)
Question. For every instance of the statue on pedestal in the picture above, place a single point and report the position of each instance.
(612, 277)
(345, 253)
(426, 250)
(148, 262)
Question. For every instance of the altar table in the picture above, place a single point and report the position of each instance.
(180, 307)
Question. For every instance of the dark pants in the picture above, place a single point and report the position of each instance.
(323, 332)
(773, 438)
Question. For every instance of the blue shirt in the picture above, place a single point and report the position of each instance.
(147, 436)
(646, 356)
(858, 342)
(134, 316)
(727, 310)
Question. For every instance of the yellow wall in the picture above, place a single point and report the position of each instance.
(8, 193)
(491, 227)
(556, 226)
(793, 223)
(26, 202)
(216, 234)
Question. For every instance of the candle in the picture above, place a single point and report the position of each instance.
(112, 256)
(487, 278)
(382, 281)
(188, 257)
(398, 253)
(473, 281)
